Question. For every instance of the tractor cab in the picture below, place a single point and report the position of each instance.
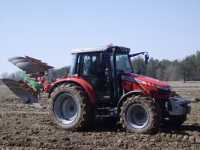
(103, 69)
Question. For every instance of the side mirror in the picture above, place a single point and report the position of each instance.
(146, 58)
(146, 55)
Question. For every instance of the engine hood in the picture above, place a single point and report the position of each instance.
(147, 80)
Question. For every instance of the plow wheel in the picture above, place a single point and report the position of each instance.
(139, 114)
(70, 108)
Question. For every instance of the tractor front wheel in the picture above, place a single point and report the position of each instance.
(140, 114)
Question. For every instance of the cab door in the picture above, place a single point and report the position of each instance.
(92, 70)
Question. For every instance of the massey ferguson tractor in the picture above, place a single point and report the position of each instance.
(102, 82)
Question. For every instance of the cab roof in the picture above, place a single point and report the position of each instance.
(101, 49)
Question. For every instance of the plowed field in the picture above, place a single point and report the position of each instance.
(24, 126)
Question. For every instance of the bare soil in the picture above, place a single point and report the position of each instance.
(24, 126)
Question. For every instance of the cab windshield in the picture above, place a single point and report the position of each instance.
(123, 63)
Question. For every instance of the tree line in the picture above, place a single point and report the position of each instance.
(187, 69)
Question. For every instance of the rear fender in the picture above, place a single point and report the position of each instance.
(79, 81)
(128, 94)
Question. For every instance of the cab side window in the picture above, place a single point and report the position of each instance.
(89, 66)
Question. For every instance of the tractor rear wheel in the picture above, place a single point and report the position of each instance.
(70, 108)
(140, 114)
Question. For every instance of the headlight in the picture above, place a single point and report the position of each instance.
(163, 88)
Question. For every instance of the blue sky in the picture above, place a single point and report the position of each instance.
(49, 29)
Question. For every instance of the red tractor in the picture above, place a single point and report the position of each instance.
(102, 83)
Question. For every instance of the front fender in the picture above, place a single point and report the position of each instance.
(79, 81)
(123, 97)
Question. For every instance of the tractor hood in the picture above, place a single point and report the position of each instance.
(147, 81)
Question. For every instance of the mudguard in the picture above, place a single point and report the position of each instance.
(123, 97)
(79, 81)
